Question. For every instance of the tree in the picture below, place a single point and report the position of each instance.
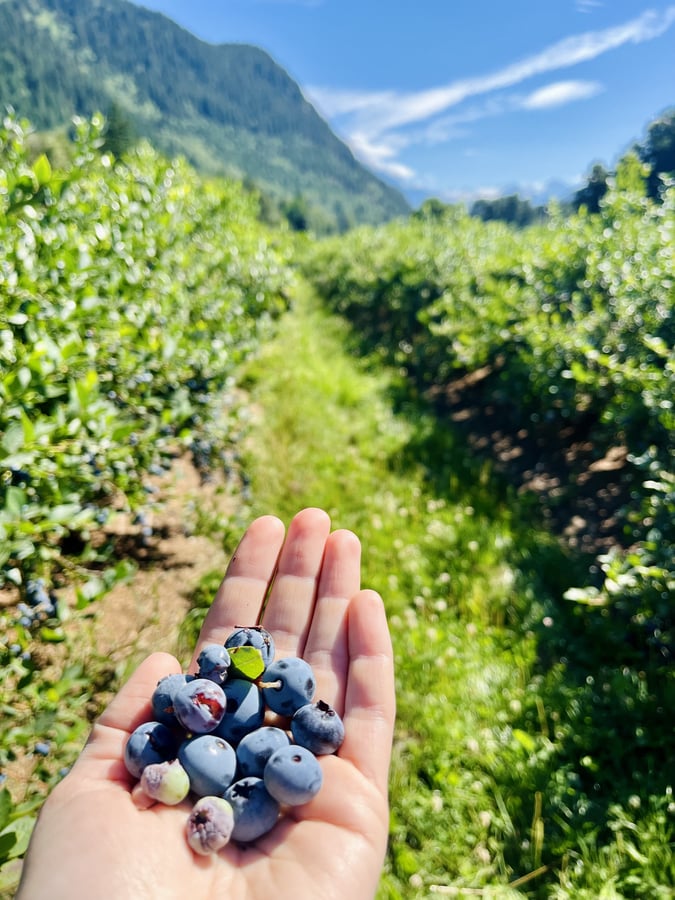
(512, 209)
(432, 209)
(119, 135)
(658, 152)
(595, 189)
(297, 213)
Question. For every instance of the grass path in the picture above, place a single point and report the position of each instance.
(440, 547)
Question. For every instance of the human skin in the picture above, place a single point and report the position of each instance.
(92, 841)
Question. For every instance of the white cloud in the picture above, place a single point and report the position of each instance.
(377, 123)
(561, 93)
(380, 155)
(586, 6)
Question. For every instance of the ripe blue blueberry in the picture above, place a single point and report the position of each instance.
(244, 710)
(253, 636)
(293, 775)
(209, 826)
(210, 762)
(257, 746)
(214, 662)
(151, 742)
(288, 684)
(199, 705)
(255, 810)
(318, 727)
(163, 697)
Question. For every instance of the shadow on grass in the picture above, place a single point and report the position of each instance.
(595, 767)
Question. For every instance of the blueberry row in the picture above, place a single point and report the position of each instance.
(211, 738)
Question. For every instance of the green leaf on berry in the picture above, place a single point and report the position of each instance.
(246, 662)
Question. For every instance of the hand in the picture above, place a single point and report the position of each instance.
(91, 841)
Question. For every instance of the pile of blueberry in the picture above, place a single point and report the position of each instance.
(211, 738)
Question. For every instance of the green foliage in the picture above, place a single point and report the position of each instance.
(118, 136)
(593, 191)
(512, 209)
(130, 295)
(657, 151)
(568, 323)
(46, 729)
(575, 317)
(229, 109)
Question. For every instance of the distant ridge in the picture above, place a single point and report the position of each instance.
(229, 108)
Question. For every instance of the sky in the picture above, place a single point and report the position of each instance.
(460, 100)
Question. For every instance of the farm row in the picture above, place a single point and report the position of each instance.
(570, 326)
(130, 294)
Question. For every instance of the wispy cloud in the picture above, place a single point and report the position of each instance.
(560, 93)
(377, 123)
(586, 6)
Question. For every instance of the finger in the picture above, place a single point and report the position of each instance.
(241, 595)
(289, 610)
(327, 648)
(370, 702)
(103, 754)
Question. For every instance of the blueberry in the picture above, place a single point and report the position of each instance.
(214, 663)
(151, 742)
(163, 697)
(253, 636)
(167, 782)
(244, 710)
(36, 592)
(210, 762)
(42, 748)
(288, 684)
(209, 826)
(293, 775)
(199, 705)
(39, 598)
(318, 727)
(255, 810)
(257, 746)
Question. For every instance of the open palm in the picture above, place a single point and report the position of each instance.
(92, 841)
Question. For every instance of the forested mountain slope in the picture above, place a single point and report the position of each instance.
(228, 108)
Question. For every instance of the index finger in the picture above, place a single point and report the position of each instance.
(242, 592)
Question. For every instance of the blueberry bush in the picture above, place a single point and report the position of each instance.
(570, 324)
(533, 752)
(130, 293)
(131, 290)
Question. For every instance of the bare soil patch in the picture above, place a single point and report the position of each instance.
(145, 614)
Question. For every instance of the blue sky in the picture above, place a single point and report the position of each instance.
(464, 99)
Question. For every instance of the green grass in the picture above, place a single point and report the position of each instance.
(324, 434)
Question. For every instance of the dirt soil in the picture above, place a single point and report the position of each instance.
(144, 614)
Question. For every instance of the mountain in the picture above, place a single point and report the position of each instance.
(229, 108)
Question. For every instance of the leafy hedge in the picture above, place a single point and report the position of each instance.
(571, 322)
(130, 292)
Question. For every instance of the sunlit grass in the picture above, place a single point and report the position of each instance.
(325, 435)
